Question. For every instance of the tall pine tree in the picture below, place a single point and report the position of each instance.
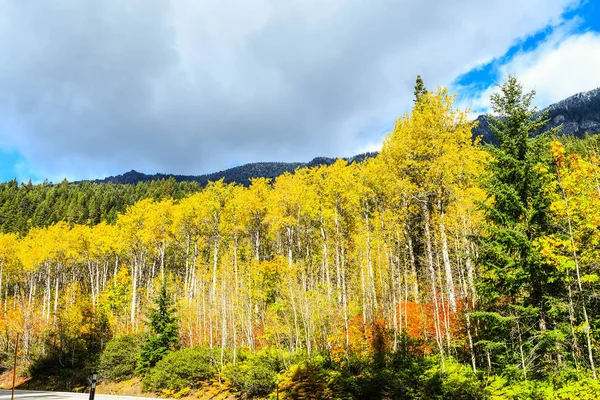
(517, 282)
(165, 331)
(420, 90)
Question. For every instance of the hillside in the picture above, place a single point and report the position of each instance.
(90, 202)
(240, 174)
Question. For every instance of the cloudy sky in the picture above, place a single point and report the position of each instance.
(90, 88)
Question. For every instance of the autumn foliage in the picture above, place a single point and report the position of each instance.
(331, 261)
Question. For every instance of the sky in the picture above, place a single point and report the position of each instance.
(95, 88)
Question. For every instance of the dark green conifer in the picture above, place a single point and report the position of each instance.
(516, 282)
(519, 213)
(419, 89)
(165, 331)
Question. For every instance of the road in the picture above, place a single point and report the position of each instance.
(32, 395)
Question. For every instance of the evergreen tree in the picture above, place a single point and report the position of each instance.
(165, 331)
(419, 89)
(517, 282)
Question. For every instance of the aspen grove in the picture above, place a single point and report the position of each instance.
(412, 242)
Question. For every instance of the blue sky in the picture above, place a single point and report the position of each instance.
(11, 163)
(101, 87)
(587, 16)
(582, 19)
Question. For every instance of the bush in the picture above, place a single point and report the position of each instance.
(4, 360)
(255, 375)
(584, 389)
(119, 360)
(458, 382)
(311, 380)
(393, 374)
(181, 369)
(502, 388)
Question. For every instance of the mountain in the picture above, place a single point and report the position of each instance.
(578, 115)
(240, 174)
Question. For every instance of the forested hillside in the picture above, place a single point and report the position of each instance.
(438, 269)
(241, 174)
(23, 206)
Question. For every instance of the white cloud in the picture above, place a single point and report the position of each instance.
(479, 103)
(184, 86)
(566, 63)
(557, 71)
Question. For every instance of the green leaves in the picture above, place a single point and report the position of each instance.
(165, 332)
(182, 369)
(120, 357)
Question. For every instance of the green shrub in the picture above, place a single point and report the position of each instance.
(181, 369)
(458, 382)
(4, 360)
(255, 374)
(394, 374)
(584, 389)
(502, 388)
(311, 380)
(119, 360)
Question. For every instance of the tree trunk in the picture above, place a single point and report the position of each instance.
(468, 264)
(587, 326)
(371, 280)
(134, 290)
(446, 259)
(413, 267)
(430, 265)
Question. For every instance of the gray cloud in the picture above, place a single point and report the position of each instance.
(89, 88)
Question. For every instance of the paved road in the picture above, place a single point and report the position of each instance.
(31, 395)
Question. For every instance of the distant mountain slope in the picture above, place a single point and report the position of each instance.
(578, 115)
(240, 174)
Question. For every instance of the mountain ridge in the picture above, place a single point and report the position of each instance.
(578, 114)
(240, 174)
